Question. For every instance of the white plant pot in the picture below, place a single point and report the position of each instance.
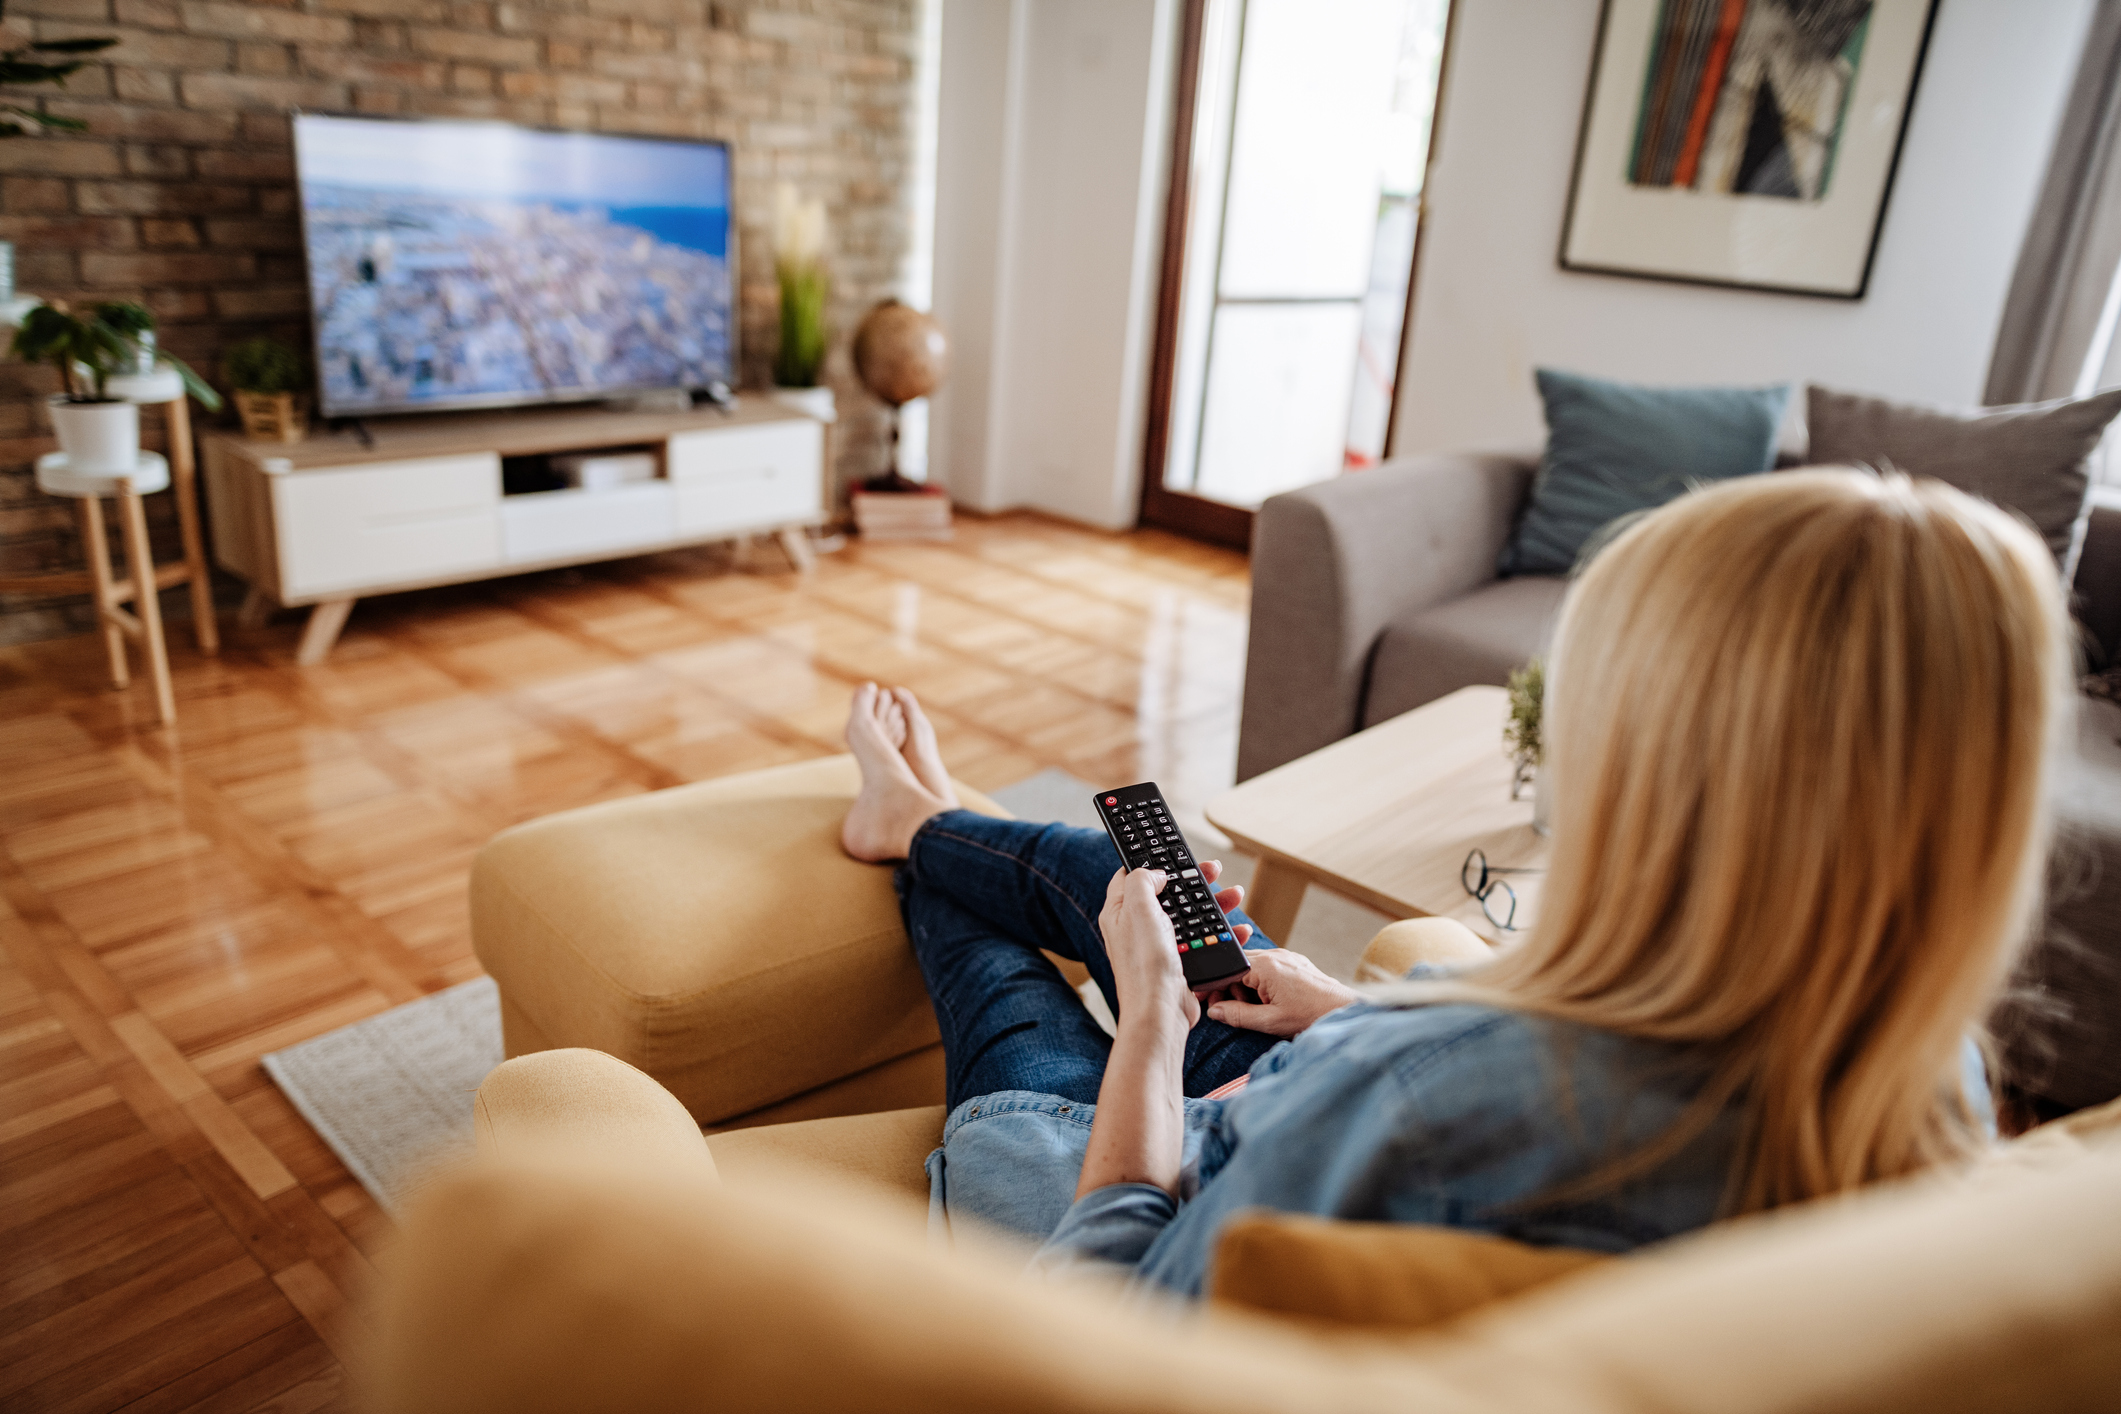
(156, 385)
(100, 438)
(818, 402)
(1541, 804)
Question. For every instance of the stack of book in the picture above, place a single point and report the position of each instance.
(902, 515)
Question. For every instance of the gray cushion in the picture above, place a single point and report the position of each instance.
(2029, 458)
(1474, 639)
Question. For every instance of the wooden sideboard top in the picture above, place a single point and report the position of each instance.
(521, 432)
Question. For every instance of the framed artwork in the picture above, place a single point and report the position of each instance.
(1748, 143)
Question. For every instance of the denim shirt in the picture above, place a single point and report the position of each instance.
(1462, 1115)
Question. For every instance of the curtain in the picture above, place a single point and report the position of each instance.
(2061, 312)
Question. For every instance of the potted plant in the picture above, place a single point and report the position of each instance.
(799, 263)
(98, 431)
(271, 383)
(1521, 736)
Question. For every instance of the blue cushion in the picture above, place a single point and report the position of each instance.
(1617, 448)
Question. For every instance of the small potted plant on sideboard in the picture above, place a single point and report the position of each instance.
(97, 427)
(799, 263)
(271, 383)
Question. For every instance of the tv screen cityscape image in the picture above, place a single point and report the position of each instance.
(466, 263)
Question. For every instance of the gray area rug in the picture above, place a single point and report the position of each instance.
(392, 1094)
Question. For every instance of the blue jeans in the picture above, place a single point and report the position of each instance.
(981, 897)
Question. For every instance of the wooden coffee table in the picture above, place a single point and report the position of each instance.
(1387, 816)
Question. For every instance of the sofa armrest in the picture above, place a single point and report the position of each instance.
(2098, 583)
(1333, 564)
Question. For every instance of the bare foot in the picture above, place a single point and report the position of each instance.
(892, 802)
(920, 750)
(891, 716)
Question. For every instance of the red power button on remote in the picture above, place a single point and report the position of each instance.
(1111, 800)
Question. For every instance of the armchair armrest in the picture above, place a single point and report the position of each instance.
(1402, 945)
(1333, 564)
(584, 1102)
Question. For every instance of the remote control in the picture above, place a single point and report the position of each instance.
(1148, 838)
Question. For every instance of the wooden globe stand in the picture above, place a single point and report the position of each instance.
(900, 356)
(896, 507)
(893, 481)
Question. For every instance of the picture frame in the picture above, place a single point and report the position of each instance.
(1747, 144)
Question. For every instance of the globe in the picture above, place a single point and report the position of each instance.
(900, 353)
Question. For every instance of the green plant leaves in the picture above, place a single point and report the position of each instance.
(264, 365)
(802, 351)
(124, 316)
(15, 68)
(107, 341)
(1521, 733)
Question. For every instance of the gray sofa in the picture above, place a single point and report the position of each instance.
(1377, 592)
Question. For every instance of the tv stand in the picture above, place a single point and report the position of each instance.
(420, 502)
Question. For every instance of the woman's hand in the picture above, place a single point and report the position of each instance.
(1293, 993)
(1140, 1131)
(1146, 970)
(1228, 899)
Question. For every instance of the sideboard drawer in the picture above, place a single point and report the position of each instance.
(388, 523)
(556, 524)
(742, 477)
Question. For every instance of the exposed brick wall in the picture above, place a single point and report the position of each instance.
(182, 195)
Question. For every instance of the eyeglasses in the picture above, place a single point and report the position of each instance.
(1484, 882)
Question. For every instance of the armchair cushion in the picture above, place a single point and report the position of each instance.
(886, 1151)
(1387, 1276)
(714, 935)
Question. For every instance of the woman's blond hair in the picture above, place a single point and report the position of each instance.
(1798, 737)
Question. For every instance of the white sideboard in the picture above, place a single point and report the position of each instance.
(327, 521)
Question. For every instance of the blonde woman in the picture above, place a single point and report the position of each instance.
(1798, 730)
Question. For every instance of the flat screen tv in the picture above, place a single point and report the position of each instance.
(475, 264)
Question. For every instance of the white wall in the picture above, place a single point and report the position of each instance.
(974, 115)
(1492, 304)
(1049, 197)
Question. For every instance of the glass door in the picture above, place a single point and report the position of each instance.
(1301, 141)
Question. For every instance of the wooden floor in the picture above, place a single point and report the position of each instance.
(292, 857)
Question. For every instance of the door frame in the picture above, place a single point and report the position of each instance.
(1181, 511)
